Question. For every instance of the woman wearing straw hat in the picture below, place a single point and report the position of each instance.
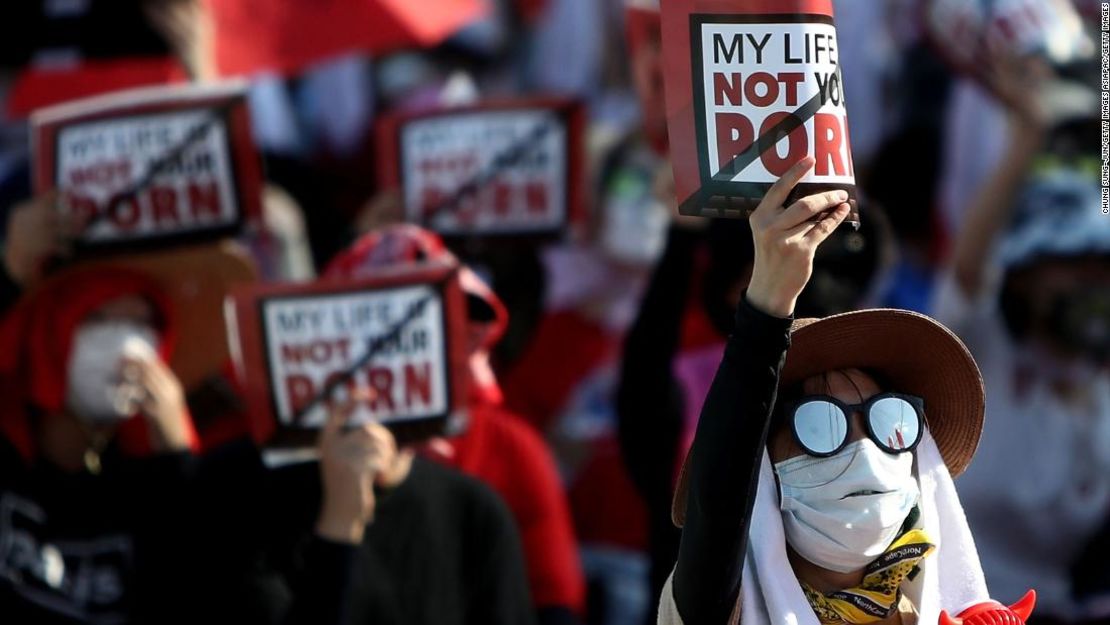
(819, 488)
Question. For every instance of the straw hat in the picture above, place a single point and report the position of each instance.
(196, 279)
(914, 353)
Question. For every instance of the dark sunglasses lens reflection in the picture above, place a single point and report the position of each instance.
(894, 424)
(821, 426)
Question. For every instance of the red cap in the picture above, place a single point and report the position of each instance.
(401, 244)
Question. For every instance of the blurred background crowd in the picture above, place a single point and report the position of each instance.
(975, 134)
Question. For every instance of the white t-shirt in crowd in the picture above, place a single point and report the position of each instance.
(974, 142)
(1039, 486)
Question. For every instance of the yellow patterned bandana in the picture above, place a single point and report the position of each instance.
(879, 592)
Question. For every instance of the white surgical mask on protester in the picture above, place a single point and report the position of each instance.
(635, 229)
(843, 511)
(96, 388)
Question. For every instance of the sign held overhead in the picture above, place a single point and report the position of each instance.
(752, 88)
(147, 167)
(392, 343)
(507, 168)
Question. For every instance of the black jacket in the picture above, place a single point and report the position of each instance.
(724, 467)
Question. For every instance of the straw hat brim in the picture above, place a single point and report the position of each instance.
(914, 353)
(196, 279)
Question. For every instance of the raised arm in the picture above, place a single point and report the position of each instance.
(649, 401)
(37, 231)
(988, 212)
(735, 419)
(649, 405)
(351, 460)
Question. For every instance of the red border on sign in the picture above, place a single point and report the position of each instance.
(246, 164)
(245, 328)
(388, 149)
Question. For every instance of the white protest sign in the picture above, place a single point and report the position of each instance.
(975, 35)
(311, 341)
(759, 77)
(497, 171)
(195, 191)
(152, 164)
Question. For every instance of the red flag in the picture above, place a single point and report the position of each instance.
(41, 87)
(263, 35)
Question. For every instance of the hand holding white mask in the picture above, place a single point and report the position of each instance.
(98, 388)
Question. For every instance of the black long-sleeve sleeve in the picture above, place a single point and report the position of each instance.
(253, 521)
(724, 467)
(649, 400)
(322, 591)
(10, 291)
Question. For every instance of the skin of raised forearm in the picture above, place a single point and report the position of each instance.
(989, 212)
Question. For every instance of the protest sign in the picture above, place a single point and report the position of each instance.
(974, 36)
(392, 342)
(506, 168)
(751, 89)
(151, 166)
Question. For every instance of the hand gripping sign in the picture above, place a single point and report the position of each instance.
(152, 166)
(753, 87)
(393, 343)
(509, 168)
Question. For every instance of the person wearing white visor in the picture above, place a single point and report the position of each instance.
(819, 488)
(1028, 289)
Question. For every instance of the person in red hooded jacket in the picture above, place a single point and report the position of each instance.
(107, 512)
(497, 446)
(95, 441)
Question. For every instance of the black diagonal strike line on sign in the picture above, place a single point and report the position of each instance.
(765, 142)
(158, 165)
(505, 159)
(376, 345)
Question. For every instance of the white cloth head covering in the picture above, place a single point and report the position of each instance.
(951, 578)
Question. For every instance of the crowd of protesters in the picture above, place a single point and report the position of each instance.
(588, 357)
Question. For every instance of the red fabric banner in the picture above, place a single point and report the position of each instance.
(263, 35)
(39, 88)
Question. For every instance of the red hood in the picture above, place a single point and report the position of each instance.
(36, 338)
(643, 27)
(406, 243)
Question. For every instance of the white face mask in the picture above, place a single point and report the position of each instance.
(635, 232)
(827, 522)
(96, 390)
